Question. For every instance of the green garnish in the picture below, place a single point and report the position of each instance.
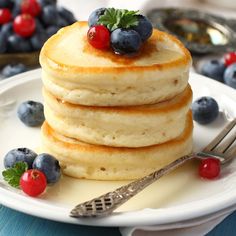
(13, 175)
(118, 18)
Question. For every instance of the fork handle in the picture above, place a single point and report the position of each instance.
(107, 203)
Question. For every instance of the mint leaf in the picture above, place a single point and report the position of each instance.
(118, 18)
(13, 175)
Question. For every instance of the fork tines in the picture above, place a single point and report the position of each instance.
(225, 142)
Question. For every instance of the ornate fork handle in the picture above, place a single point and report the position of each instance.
(107, 203)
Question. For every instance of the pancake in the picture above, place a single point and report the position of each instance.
(132, 126)
(83, 160)
(75, 72)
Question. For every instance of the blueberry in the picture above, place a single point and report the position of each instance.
(44, 3)
(31, 113)
(50, 15)
(51, 30)
(16, 43)
(3, 43)
(7, 29)
(67, 15)
(213, 69)
(39, 26)
(230, 76)
(205, 110)
(6, 4)
(16, 10)
(144, 27)
(49, 165)
(19, 154)
(94, 16)
(61, 22)
(13, 69)
(38, 39)
(125, 41)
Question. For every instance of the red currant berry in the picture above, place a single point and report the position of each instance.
(230, 58)
(209, 168)
(99, 37)
(31, 7)
(5, 15)
(24, 25)
(33, 182)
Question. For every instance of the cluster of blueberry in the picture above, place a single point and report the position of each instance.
(40, 169)
(223, 70)
(122, 30)
(26, 24)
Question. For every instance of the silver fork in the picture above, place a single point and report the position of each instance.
(223, 147)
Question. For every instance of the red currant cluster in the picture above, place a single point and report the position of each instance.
(23, 24)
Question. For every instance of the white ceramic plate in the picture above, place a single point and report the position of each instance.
(177, 197)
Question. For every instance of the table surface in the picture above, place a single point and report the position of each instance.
(17, 224)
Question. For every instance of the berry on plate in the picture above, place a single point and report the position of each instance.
(31, 113)
(5, 15)
(230, 76)
(125, 41)
(99, 37)
(230, 58)
(205, 110)
(19, 155)
(49, 165)
(213, 69)
(209, 168)
(33, 182)
(31, 7)
(13, 69)
(24, 25)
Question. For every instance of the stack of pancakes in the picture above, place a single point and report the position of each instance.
(112, 117)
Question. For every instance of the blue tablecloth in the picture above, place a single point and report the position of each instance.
(17, 224)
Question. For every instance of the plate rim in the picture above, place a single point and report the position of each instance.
(145, 216)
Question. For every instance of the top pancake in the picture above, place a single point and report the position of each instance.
(78, 73)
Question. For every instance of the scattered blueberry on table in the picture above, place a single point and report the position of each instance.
(31, 113)
(205, 110)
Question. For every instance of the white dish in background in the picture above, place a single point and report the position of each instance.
(178, 197)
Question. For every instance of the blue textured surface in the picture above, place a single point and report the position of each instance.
(17, 224)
